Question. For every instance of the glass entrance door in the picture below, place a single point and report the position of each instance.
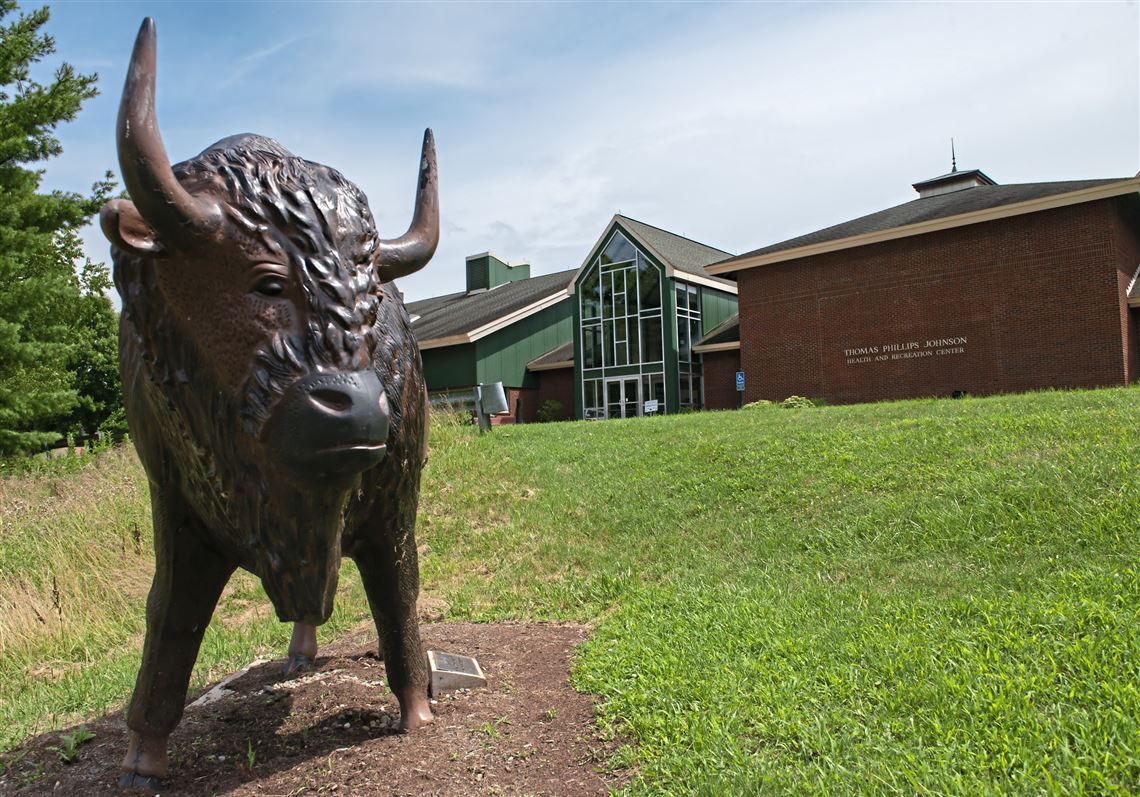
(623, 397)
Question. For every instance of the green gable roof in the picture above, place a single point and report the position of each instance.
(682, 257)
(462, 313)
(682, 253)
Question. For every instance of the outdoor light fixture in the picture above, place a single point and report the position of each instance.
(489, 400)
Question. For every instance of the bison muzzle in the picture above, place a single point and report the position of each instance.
(274, 392)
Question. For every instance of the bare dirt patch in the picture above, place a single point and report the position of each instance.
(331, 730)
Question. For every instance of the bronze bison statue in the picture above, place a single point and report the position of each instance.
(274, 392)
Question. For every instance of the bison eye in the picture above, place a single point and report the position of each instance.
(270, 286)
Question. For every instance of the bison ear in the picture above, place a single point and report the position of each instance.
(125, 228)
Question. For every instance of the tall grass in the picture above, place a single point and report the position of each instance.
(76, 560)
(75, 553)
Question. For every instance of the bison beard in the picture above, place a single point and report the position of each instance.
(274, 393)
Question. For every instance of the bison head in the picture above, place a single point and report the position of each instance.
(252, 283)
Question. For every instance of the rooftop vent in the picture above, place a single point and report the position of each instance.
(954, 181)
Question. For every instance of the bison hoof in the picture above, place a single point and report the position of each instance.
(297, 663)
(140, 781)
(415, 716)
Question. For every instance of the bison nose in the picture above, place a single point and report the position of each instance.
(332, 423)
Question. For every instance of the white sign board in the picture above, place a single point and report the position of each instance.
(650, 406)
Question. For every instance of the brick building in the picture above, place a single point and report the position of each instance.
(973, 287)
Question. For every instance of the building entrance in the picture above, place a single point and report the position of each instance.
(623, 397)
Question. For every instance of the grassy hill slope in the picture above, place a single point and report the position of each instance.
(931, 596)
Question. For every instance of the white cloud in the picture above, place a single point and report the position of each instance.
(738, 125)
(252, 62)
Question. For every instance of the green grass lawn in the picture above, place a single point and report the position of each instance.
(918, 597)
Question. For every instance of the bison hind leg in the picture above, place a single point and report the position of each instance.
(302, 648)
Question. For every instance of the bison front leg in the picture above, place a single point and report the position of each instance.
(302, 647)
(188, 580)
(390, 572)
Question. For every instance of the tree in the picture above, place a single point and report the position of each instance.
(53, 321)
(96, 360)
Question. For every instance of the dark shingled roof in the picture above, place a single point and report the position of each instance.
(727, 331)
(681, 253)
(941, 206)
(458, 313)
(562, 354)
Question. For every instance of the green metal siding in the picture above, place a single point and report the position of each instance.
(716, 306)
(478, 273)
(575, 334)
(669, 328)
(503, 355)
(449, 366)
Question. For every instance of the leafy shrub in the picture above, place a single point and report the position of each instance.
(68, 458)
(756, 405)
(551, 410)
(116, 422)
(796, 402)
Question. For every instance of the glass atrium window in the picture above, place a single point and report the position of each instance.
(653, 389)
(592, 399)
(649, 282)
(651, 342)
(591, 300)
(688, 333)
(620, 303)
(592, 346)
(618, 250)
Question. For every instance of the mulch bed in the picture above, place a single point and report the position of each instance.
(331, 730)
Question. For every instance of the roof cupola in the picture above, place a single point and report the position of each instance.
(954, 181)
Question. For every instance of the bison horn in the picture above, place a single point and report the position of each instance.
(401, 256)
(162, 202)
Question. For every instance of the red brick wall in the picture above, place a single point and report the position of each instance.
(557, 385)
(1037, 298)
(528, 406)
(720, 369)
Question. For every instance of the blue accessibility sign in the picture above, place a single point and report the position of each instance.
(740, 381)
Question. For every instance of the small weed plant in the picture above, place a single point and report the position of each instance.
(69, 744)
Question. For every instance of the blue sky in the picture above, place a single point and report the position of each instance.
(737, 124)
